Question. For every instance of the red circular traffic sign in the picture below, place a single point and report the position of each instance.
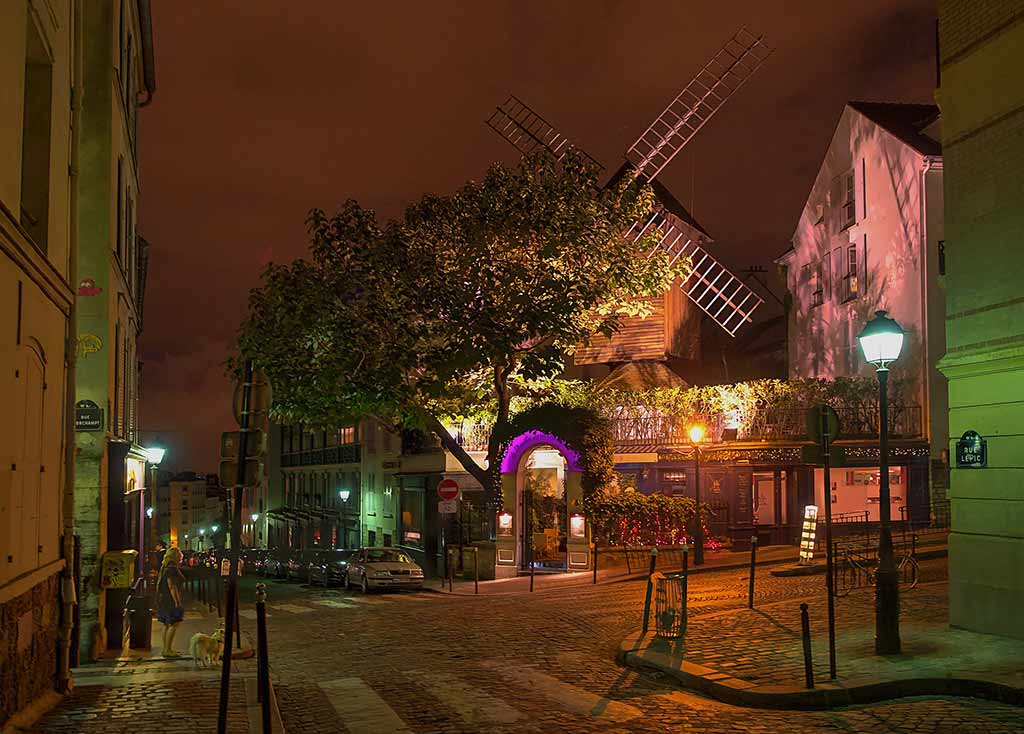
(448, 489)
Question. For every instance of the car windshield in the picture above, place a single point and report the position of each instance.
(378, 555)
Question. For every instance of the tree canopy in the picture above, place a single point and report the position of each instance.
(455, 304)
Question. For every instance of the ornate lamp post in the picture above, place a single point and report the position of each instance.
(881, 342)
(154, 455)
(696, 436)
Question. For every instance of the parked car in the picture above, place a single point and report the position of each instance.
(297, 565)
(381, 568)
(329, 566)
(276, 563)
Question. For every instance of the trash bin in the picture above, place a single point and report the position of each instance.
(670, 606)
(139, 614)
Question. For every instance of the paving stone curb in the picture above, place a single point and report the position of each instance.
(635, 651)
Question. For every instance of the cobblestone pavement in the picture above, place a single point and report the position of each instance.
(428, 662)
(180, 706)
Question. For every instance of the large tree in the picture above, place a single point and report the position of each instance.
(452, 306)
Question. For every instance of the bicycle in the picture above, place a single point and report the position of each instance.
(854, 566)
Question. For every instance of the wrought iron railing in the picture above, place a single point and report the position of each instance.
(347, 454)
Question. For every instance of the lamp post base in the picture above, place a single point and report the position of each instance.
(887, 610)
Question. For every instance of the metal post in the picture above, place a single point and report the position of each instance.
(698, 535)
(476, 570)
(753, 570)
(532, 564)
(593, 547)
(805, 630)
(650, 583)
(887, 591)
(262, 661)
(232, 591)
(830, 582)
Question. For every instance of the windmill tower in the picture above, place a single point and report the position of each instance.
(673, 329)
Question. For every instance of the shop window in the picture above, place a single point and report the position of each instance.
(411, 528)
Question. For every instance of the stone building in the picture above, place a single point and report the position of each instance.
(981, 94)
(39, 63)
(118, 79)
(870, 237)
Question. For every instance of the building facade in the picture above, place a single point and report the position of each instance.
(191, 512)
(39, 64)
(118, 79)
(870, 237)
(982, 99)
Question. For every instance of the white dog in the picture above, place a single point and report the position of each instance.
(206, 649)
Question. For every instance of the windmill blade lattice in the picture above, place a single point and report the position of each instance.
(721, 295)
(527, 131)
(726, 72)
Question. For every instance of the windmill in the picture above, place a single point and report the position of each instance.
(720, 294)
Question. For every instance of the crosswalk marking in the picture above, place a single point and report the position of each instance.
(473, 705)
(567, 696)
(293, 608)
(361, 708)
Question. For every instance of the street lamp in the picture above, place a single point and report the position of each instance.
(344, 494)
(696, 436)
(881, 342)
(154, 455)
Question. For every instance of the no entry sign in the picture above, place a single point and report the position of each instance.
(448, 489)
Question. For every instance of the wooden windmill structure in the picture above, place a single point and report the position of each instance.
(672, 330)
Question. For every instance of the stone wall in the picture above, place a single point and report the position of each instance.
(28, 646)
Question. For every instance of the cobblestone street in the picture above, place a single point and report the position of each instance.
(432, 663)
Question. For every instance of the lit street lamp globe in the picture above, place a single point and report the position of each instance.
(344, 494)
(254, 516)
(215, 528)
(202, 531)
(155, 454)
(149, 512)
(696, 434)
(881, 341)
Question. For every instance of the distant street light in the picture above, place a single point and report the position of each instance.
(344, 494)
(149, 512)
(215, 528)
(696, 436)
(881, 341)
(255, 516)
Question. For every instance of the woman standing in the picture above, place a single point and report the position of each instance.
(170, 608)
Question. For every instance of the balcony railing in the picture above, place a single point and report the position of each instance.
(346, 454)
(763, 425)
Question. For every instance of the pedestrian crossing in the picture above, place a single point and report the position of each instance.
(299, 606)
(362, 709)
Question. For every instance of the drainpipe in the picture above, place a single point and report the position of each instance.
(67, 580)
(148, 68)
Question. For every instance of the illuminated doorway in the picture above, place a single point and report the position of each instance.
(543, 510)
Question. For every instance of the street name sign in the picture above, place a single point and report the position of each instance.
(971, 451)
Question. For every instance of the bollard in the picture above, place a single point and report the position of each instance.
(650, 583)
(805, 629)
(262, 661)
(476, 570)
(219, 594)
(593, 547)
(686, 559)
(753, 570)
(531, 574)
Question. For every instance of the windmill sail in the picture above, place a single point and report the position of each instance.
(527, 131)
(721, 295)
(726, 72)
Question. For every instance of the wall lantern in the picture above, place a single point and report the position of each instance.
(505, 523)
(577, 526)
(149, 512)
(344, 494)
(254, 516)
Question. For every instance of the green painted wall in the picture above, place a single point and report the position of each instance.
(982, 100)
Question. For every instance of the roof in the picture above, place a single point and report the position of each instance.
(904, 121)
(670, 202)
(641, 375)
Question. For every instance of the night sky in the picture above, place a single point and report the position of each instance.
(266, 109)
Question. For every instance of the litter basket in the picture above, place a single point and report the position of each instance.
(670, 606)
(139, 613)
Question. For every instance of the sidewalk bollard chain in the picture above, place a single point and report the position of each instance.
(805, 629)
(262, 661)
(753, 570)
(650, 584)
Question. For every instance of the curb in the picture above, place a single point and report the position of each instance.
(254, 710)
(634, 653)
(621, 579)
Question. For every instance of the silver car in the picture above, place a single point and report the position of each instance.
(383, 568)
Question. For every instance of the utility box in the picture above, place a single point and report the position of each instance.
(118, 569)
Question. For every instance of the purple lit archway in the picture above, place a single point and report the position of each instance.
(524, 442)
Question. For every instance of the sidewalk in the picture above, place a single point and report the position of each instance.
(714, 560)
(755, 657)
(142, 691)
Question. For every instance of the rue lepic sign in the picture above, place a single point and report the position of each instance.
(971, 451)
(448, 492)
